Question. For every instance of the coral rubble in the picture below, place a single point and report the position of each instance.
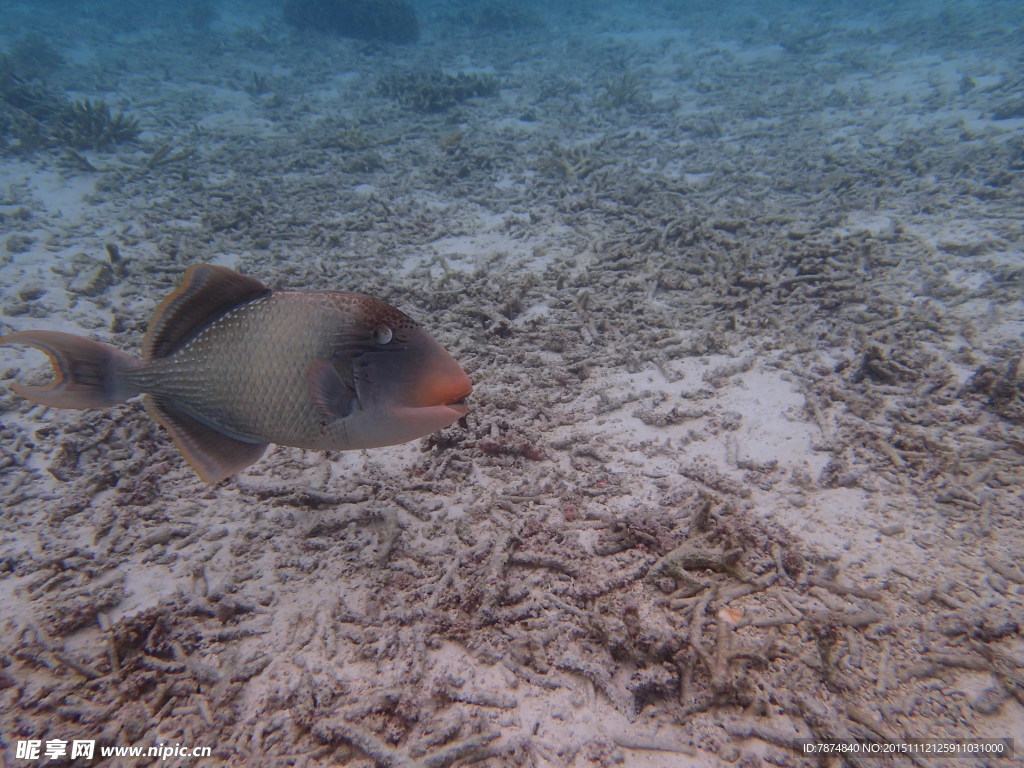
(436, 91)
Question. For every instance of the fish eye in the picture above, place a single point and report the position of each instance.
(382, 334)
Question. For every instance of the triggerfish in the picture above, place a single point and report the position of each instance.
(229, 366)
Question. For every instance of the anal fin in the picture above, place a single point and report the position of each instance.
(214, 455)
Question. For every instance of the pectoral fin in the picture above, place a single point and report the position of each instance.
(212, 454)
(330, 394)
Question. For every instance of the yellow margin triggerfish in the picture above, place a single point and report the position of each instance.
(229, 366)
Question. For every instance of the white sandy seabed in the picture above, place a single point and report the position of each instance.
(741, 300)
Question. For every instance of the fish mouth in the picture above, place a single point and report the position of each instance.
(459, 405)
(434, 417)
(447, 389)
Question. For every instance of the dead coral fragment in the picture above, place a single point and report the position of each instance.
(880, 365)
(391, 20)
(1004, 388)
(436, 91)
(90, 124)
(523, 448)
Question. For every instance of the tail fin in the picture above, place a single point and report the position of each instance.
(88, 374)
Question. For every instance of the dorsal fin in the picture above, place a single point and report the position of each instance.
(206, 292)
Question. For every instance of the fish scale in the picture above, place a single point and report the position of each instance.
(252, 357)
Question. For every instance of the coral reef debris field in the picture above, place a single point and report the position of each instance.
(740, 291)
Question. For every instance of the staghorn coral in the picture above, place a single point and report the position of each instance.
(25, 104)
(22, 92)
(391, 20)
(334, 133)
(624, 91)
(34, 57)
(435, 91)
(90, 124)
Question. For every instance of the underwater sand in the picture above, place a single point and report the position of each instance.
(741, 297)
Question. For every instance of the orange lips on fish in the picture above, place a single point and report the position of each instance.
(229, 366)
